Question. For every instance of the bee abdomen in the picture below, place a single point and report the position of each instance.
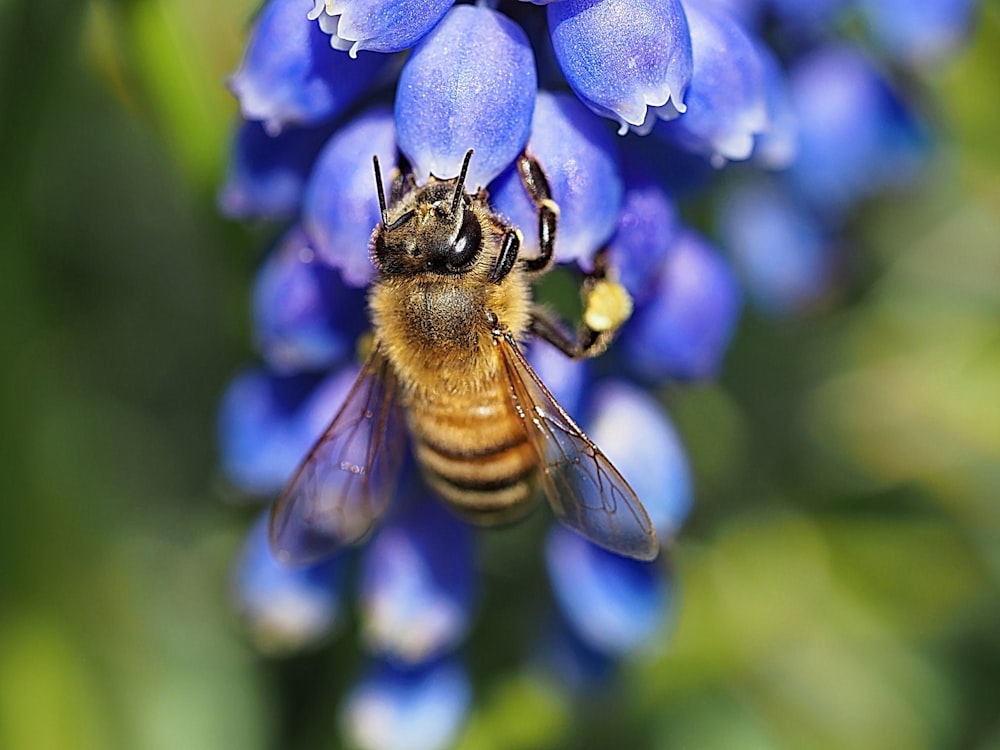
(479, 461)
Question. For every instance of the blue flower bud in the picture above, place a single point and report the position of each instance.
(340, 206)
(798, 16)
(416, 583)
(579, 156)
(305, 317)
(647, 227)
(256, 434)
(267, 423)
(778, 145)
(470, 83)
(747, 13)
(377, 25)
(290, 76)
(638, 437)
(779, 248)
(857, 137)
(566, 378)
(285, 608)
(683, 331)
(415, 708)
(267, 175)
(726, 105)
(613, 603)
(628, 60)
(921, 34)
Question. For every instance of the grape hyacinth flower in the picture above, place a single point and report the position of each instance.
(637, 112)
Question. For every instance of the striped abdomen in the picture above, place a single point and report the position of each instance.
(475, 453)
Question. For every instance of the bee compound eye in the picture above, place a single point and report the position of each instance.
(467, 243)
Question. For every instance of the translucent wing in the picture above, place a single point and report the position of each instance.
(585, 490)
(345, 483)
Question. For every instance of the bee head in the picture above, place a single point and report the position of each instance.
(438, 233)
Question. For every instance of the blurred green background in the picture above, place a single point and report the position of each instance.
(839, 581)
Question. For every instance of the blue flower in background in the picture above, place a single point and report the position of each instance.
(644, 116)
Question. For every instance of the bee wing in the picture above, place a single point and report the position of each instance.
(343, 486)
(586, 492)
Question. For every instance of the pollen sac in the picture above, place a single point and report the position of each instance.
(340, 207)
(685, 328)
(377, 25)
(470, 83)
(638, 437)
(305, 316)
(289, 75)
(628, 60)
(268, 174)
(285, 608)
(416, 584)
(407, 708)
(727, 106)
(614, 604)
(579, 155)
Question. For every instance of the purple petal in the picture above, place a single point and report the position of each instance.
(727, 107)
(470, 83)
(290, 76)
(637, 435)
(416, 584)
(377, 25)
(857, 136)
(417, 708)
(285, 608)
(579, 156)
(566, 378)
(923, 33)
(778, 145)
(340, 206)
(806, 15)
(612, 603)
(684, 330)
(305, 317)
(647, 227)
(268, 422)
(258, 442)
(267, 175)
(779, 248)
(628, 60)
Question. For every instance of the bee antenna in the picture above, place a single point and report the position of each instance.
(460, 185)
(381, 192)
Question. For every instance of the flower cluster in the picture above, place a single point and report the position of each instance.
(758, 110)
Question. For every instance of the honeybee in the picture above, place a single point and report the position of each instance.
(451, 300)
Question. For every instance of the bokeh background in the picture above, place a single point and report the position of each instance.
(838, 585)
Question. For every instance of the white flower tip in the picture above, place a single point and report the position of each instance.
(273, 126)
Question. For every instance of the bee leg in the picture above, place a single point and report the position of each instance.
(507, 257)
(606, 307)
(538, 189)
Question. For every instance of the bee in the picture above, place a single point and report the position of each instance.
(449, 306)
